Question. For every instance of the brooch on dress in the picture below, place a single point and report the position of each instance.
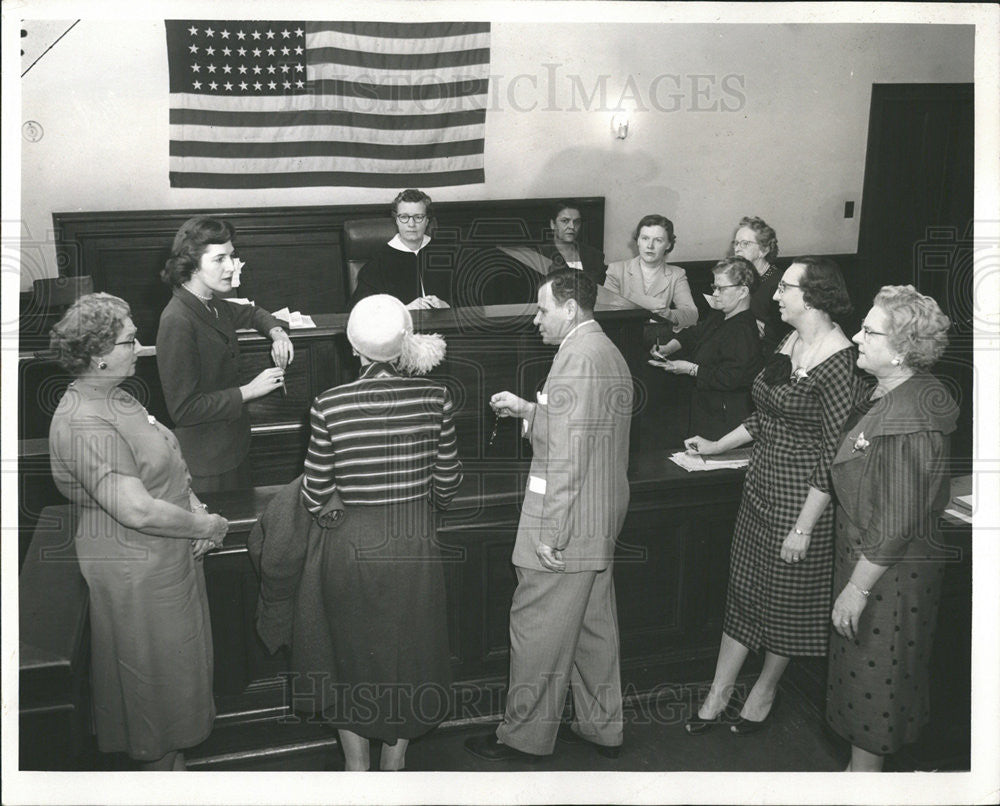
(861, 443)
(799, 374)
(151, 418)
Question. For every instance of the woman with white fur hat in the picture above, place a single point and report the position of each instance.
(386, 445)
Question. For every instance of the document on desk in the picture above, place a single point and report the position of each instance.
(960, 507)
(731, 460)
(296, 320)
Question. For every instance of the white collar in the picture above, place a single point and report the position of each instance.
(572, 331)
(397, 243)
(833, 341)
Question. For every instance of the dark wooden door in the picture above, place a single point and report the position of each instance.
(917, 217)
(917, 229)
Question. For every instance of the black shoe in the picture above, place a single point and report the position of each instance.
(745, 727)
(488, 748)
(567, 736)
(695, 725)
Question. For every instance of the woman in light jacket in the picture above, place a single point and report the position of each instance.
(648, 280)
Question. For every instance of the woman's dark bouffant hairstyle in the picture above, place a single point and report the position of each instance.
(654, 220)
(190, 242)
(88, 329)
(823, 287)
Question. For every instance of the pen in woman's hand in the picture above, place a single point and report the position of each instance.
(284, 390)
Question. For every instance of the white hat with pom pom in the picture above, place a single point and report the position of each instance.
(380, 328)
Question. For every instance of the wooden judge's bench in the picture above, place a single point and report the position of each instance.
(672, 557)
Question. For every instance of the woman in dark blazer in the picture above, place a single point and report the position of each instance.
(724, 352)
(891, 480)
(198, 356)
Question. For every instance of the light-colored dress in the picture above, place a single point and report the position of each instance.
(151, 637)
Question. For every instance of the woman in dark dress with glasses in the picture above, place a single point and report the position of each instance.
(891, 479)
(757, 242)
(721, 353)
(399, 268)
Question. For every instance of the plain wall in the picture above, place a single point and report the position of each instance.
(726, 121)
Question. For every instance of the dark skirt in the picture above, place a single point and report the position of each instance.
(878, 687)
(371, 646)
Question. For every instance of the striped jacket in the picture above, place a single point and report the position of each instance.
(382, 439)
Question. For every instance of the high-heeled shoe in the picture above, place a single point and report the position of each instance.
(746, 727)
(695, 724)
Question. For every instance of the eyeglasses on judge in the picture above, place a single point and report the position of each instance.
(418, 218)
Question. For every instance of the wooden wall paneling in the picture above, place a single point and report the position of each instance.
(498, 581)
(42, 383)
(294, 268)
(276, 457)
(35, 491)
(292, 407)
(243, 666)
(648, 573)
(293, 254)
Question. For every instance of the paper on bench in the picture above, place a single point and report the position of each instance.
(296, 320)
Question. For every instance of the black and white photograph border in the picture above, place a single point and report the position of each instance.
(28, 253)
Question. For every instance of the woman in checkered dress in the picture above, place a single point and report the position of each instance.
(782, 556)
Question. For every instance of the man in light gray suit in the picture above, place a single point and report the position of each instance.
(563, 619)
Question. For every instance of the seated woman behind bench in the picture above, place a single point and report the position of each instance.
(386, 444)
(399, 267)
(648, 280)
(140, 540)
(198, 356)
(724, 352)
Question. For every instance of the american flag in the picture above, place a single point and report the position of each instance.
(294, 104)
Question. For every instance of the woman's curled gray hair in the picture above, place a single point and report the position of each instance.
(917, 328)
(737, 269)
(88, 329)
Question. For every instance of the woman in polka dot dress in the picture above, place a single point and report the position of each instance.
(889, 476)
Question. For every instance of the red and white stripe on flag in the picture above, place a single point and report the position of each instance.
(289, 103)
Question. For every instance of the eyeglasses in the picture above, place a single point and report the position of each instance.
(743, 244)
(130, 342)
(783, 286)
(418, 218)
(867, 331)
(720, 287)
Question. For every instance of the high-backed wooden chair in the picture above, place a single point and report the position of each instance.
(58, 293)
(362, 238)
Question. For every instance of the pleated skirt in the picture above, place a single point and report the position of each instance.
(370, 646)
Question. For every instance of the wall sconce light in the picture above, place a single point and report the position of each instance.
(619, 125)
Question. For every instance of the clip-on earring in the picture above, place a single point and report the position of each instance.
(897, 361)
(102, 365)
